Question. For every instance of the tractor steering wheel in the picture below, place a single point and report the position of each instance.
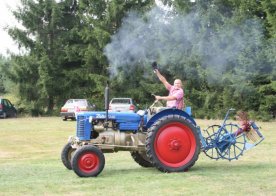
(154, 103)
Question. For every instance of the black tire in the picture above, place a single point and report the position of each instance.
(88, 161)
(66, 155)
(141, 159)
(173, 144)
(65, 118)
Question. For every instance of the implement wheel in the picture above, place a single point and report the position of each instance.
(173, 144)
(210, 135)
(66, 155)
(234, 146)
(141, 159)
(88, 161)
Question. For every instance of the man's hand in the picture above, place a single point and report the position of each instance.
(154, 66)
(156, 71)
(167, 98)
(158, 97)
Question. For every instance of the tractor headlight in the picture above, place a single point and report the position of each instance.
(90, 119)
(141, 112)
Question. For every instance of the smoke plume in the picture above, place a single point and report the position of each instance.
(181, 43)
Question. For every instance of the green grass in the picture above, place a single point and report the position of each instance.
(30, 165)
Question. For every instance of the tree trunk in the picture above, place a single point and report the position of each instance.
(50, 105)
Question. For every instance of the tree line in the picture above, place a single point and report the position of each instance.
(70, 47)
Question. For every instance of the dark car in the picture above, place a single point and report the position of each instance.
(7, 109)
(73, 106)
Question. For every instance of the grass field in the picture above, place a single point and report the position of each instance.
(30, 165)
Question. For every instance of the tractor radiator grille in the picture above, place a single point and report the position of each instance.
(80, 126)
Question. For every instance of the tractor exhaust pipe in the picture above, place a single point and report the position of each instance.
(106, 104)
(106, 97)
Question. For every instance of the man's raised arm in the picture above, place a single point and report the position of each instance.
(162, 78)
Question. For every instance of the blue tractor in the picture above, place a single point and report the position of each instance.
(166, 138)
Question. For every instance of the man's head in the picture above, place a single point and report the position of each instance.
(177, 83)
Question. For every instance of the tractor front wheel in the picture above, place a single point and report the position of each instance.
(173, 144)
(88, 161)
(66, 155)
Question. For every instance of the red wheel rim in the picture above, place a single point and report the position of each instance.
(175, 144)
(88, 162)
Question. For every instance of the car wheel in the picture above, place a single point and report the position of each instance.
(65, 118)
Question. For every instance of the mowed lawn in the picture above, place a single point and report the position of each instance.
(30, 165)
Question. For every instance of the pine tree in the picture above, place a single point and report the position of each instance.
(102, 19)
(269, 7)
(51, 41)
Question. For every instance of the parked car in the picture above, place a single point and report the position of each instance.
(122, 105)
(73, 106)
(7, 109)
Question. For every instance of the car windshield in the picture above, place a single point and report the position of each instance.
(76, 102)
(80, 102)
(121, 101)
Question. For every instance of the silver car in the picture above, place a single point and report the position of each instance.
(122, 105)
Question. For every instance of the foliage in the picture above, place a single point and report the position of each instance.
(226, 63)
(2, 76)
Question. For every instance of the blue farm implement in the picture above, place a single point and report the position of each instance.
(229, 141)
(166, 138)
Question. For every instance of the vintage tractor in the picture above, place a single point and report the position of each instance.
(166, 138)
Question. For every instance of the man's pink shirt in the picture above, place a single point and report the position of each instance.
(179, 94)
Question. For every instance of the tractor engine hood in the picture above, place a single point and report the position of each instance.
(117, 116)
(127, 121)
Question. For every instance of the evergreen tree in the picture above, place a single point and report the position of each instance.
(2, 76)
(269, 7)
(101, 19)
(51, 41)
(220, 22)
(228, 62)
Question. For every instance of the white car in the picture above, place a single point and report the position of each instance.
(122, 105)
(73, 106)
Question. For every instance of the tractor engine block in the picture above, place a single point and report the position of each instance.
(108, 137)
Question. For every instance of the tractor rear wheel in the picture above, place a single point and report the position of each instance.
(173, 144)
(141, 159)
(88, 161)
(66, 155)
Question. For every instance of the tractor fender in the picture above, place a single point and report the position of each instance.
(169, 111)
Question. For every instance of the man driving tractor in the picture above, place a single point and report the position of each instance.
(176, 93)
